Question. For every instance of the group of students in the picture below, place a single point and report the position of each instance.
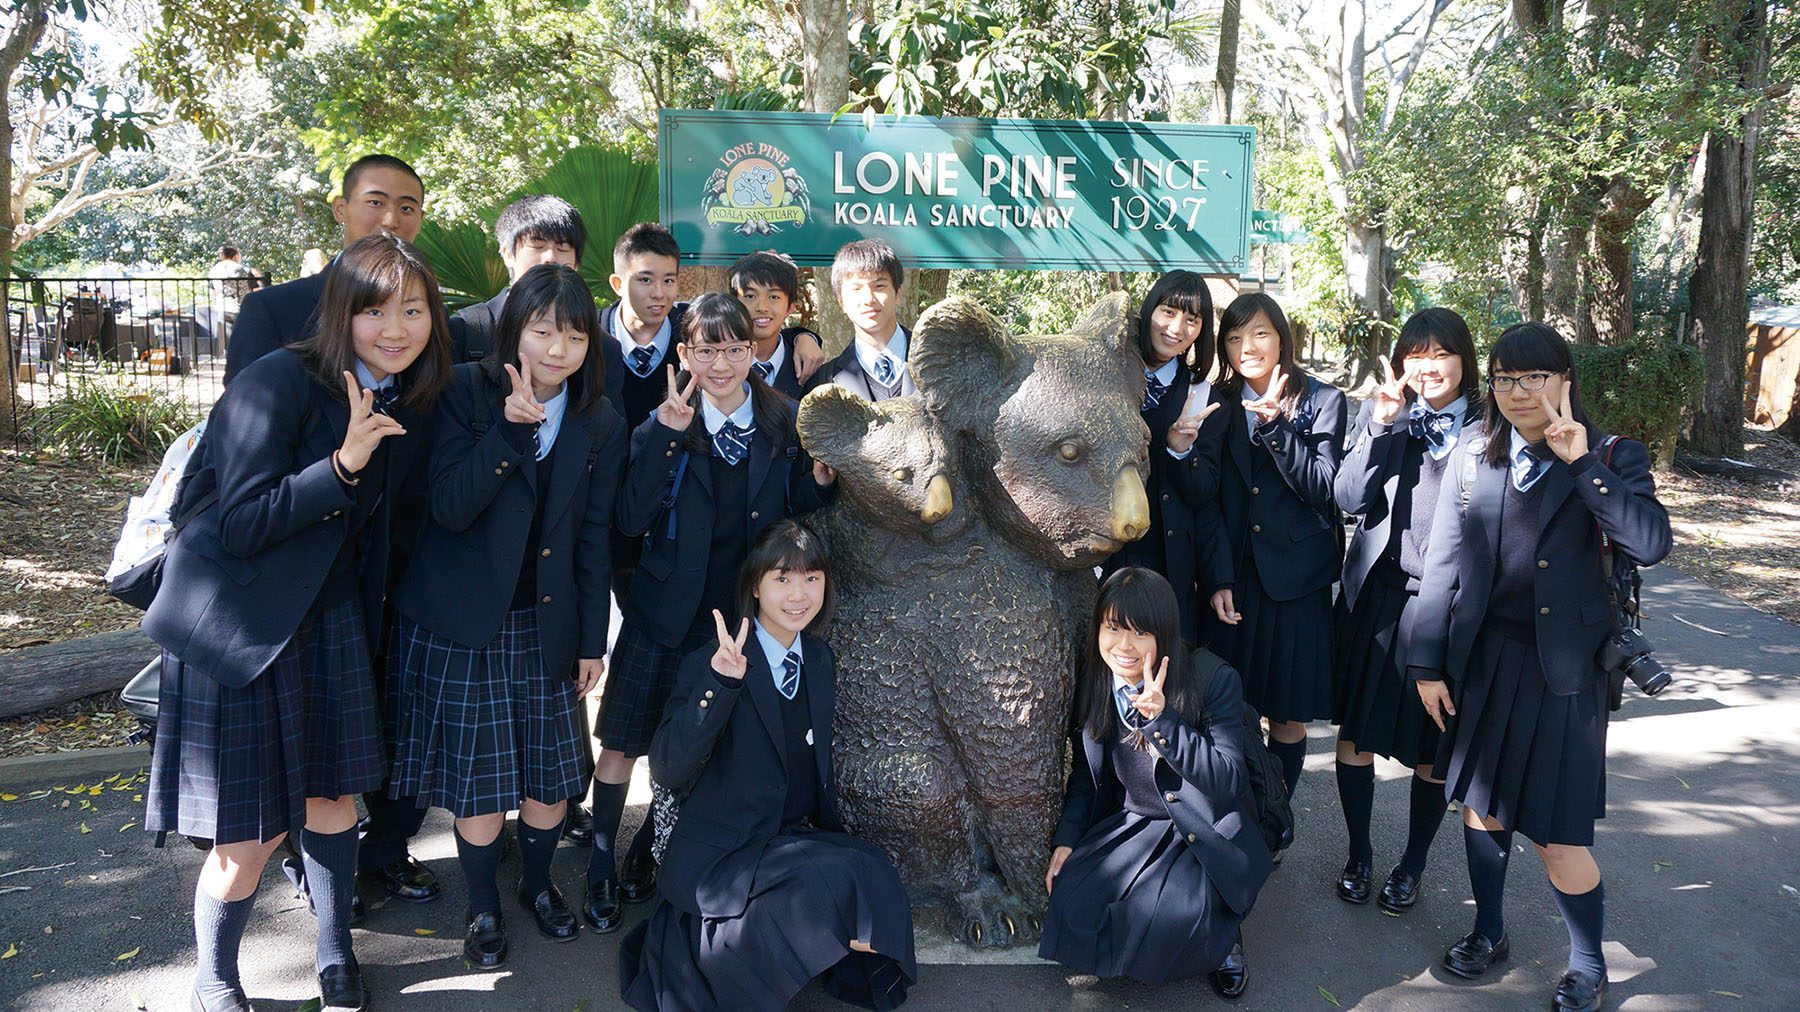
(407, 529)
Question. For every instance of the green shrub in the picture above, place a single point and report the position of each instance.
(99, 421)
(1640, 389)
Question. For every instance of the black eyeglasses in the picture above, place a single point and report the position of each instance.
(1530, 381)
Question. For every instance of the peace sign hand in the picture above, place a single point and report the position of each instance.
(1149, 699)
(1268, 407)
(728, 660)
(366, 428)
(675, 411)
(522, 404)
(1566, 436)
(1187, 427)
(1390, 396)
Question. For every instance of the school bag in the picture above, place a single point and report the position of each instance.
(150, 522)
(1265, 797)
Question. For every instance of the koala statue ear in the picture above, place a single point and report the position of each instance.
(832, 422)
(1111, 320)
(959, 351)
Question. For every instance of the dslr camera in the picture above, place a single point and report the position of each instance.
(1627, 654)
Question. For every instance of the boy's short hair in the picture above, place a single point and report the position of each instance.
(768, 270)
(378, 162)
(866, 256)
(540, 216)
(645, 237)
(228, 252)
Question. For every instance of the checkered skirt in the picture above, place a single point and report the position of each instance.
(237, 764)
(480, 728)
(638, 682)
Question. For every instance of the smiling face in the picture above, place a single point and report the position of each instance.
(1437, 374)
(769, 307)
(1127, 652)
(647, 284)
(1173, 332)
(871, 301)
(556, 353)
(381, 199)
(722, 378)
(788, 600)
(1525, 408)
(389, 336)
(1254, 349)
(530, 250)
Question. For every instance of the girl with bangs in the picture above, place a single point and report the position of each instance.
(1389, 481)
(1513, 609)
(503, 611)
(762, 890)
(1156, 861)
(269, 722)
(718, 461)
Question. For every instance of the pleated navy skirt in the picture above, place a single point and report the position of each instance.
(232, 765)
(1283, 649)
(638, 682)
(1374, 704)
(481, 728)
(1131, 901)
(813, 894)
(1519, 753)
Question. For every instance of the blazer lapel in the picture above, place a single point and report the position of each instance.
(1237, 438)
(1169, 408)
(817, 681)
(572, 442)
(760, 460)
(761, 688)
(1558, 483)
(1484, 503)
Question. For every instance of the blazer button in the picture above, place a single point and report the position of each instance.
(546, 598)
(498, 471)
(1190, 838)
(1256, 528)
(506, 463)
(754, 515)
(1543, 563)
(1169, 796)
(1165, 497)
(709, 693)
(1603, 490)
(703, 704)
(1596, 481)
(669, 453)
(1255, 490)
(337, 513)
(1543, 611)
(1169, 533)
(545, 553)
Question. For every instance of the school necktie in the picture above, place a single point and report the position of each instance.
(1153, 393)
(1527, 469)
(764, 369)
(788, 682)
(1433, 427)
(1127, 713)
(640, 359)
(884, 370)
(385, 399)
(731, 443)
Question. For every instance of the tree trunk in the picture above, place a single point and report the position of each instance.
(1522, 254)
(825, 73)
(1225, 78)
(28, 23)
(1562, 280)
(1608, 292)
(1365, 273)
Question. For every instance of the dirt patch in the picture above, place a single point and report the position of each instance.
(97, 721)
(1741, 538)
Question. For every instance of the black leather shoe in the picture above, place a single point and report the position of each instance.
(602, 909)
(1232, 976)
(578, 828)
(341, 989)
(1399, 892)
(406, 880)
(237, 1003)
(555, 920)
(1353, 882)
(1578, 991)
(637, 878)
(1473, 954)
(484, 944)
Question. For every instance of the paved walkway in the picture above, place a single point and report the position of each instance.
(1701, 851)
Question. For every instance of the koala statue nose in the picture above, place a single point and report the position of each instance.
(937, 500)
(1130, 506)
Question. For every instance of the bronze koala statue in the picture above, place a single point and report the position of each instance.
(963, 545)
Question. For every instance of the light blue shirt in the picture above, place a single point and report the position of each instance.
(1456, 409)
(552, 423)
(778, 356)
(367, 378)
(744, 417)
(1514, 445)
(777, 654)
(895, 353)
(660, 342)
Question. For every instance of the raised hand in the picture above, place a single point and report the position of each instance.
(728, 660)
(1149, 700)
(1566, 436)
(522, 404)
(675, 411)
(1389, 397)
(1268, 407)
(366, 428)
(1187, 427)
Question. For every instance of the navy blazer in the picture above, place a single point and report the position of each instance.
(287, 313)
(671, 574)
(785, 381)
(1367, 482)
(1295, 525)
(481, 328)
(483, 497)
(846, 371)
(1575, 613)
(723, 742)
(1203, 776)
(615, 355)
(239, 578)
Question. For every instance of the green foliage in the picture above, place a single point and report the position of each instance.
(1775, 241)
(100, 421)
(1640, 388)
(463, 256)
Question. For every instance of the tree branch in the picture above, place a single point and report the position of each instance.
(74, 201)
(1398, 85)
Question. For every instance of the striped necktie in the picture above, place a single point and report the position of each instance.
(1153, 392)
(764, 369)
(788, 682)
(884, 370)
(640, 359)
(1527, 469)
(1128, 714)
(731, 443)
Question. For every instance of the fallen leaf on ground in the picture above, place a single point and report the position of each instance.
(85, 829)
(423, 931)
(128, 955)
(1328, 996)
(11, 951)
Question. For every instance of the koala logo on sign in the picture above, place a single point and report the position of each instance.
(755, 191)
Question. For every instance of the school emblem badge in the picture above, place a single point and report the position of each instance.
(755, 191)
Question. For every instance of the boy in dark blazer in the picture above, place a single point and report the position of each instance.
(538, 229)
(866, 277)
(768, 285)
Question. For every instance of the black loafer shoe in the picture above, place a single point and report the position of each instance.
(1399, 892)
(484, 944)
(1474, 953)
(1232, 976)
(1353, 882)
(1579, 991)
(341, 989)
(637, 879)
(236, 1003)
(406, 880)
(578, 828)
(602, 908)
(555, 920)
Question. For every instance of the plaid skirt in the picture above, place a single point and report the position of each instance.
(232, 765)
(638, 683)
(1282, 649)
(480, 728)
(1374, 704)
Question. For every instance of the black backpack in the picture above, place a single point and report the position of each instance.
(1266, 797)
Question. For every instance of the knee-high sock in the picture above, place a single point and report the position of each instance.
(1356, 793)
(1585, 914)
(1293, 760)
(642, 839)
(480, 866)
(1488, 854)
(537, 847)
(218, 933)
(609, 807)
(331, 877)
(1425, 815)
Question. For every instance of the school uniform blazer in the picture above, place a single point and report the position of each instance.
(671, 574)
(285, 314)
(784, 381)
(483, 496)
(1203, 775)
(1187, 495)
(615, 355)
(239, 578)
(1575, 614)
(480, 328)
(846, 371)
(1295, 530)
(1367, 482)
(723, 742)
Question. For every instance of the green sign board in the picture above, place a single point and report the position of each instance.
(1277, 228)
(984, 193)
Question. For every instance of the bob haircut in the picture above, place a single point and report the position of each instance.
(559, 292)
(768, 270)
(1140, 600)
(373, 270)
(789, 545)
(541, 216)
(866, 256)
(1526, 347)
(1240, 313)
(717, 318)
(1449, 331)
(1187, 292)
